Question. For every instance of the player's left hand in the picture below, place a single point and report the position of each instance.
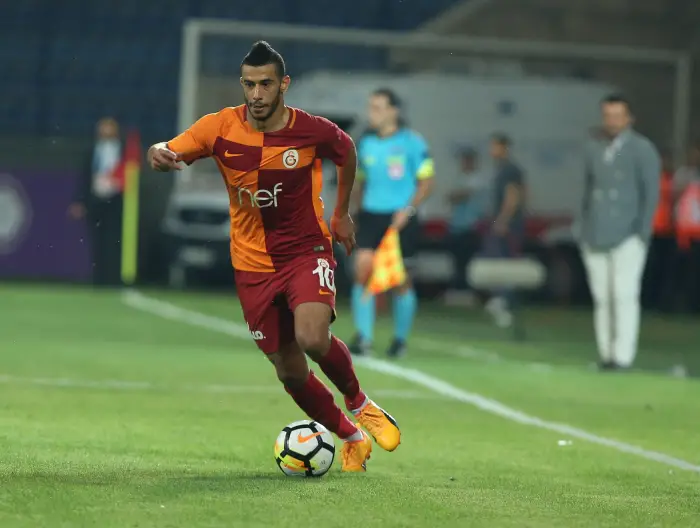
(400, 219)
(343, 231)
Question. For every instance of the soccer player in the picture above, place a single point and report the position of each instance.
(269, 156)
(396, 175)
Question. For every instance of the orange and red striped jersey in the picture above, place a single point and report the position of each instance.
(274, 182)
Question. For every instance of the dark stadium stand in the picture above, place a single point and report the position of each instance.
(65, 64)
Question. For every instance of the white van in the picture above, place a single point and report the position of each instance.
(548, 120)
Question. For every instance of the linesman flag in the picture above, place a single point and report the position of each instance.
(128, 171)
(388, 270)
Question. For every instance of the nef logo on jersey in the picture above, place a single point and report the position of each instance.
(290, 158)
(259, 199)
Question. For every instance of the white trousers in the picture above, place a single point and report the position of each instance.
(615, 278)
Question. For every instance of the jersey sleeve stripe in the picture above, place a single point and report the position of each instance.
(317, 179)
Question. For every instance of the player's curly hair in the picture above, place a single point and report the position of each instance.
(262, 54)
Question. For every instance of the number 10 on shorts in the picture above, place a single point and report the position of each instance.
(325, 274)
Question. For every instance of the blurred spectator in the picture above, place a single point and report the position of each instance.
(468, 204)
(505, 237)
(689, 172)
(687, 184)
(620, 198)
(99, 202)
(658, 283)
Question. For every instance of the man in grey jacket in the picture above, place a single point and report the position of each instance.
(621, 193)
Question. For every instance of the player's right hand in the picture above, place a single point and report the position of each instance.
(162, 159)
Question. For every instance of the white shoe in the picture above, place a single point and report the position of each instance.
(497, 307)
(504, 319)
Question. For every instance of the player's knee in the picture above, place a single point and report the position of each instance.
(291, 370)
(363, 266)
(293, 374)
(291, 381)
(314, 339)
(362, 278)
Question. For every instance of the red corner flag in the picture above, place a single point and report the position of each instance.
(131, 157)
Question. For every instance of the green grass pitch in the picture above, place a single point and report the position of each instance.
(112, 416)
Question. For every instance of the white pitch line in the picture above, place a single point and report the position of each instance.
(462, 351)
(170, 311)
(122, 385)
(477, 354)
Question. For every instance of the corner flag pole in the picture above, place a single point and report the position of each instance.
(130, 215)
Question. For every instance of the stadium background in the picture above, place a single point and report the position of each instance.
(67, 66)
(152, 407)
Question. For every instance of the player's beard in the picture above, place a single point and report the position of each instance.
(273, 106)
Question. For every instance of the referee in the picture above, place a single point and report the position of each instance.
(395, 177)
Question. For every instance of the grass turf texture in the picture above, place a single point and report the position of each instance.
(110, 417)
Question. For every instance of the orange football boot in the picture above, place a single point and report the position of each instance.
(354, 455)
(381, 425)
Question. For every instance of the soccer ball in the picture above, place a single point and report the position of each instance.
(305, 449)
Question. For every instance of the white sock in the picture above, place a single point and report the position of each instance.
(357, 411)
(355, 437)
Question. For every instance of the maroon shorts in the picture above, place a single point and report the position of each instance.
(269, 299)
